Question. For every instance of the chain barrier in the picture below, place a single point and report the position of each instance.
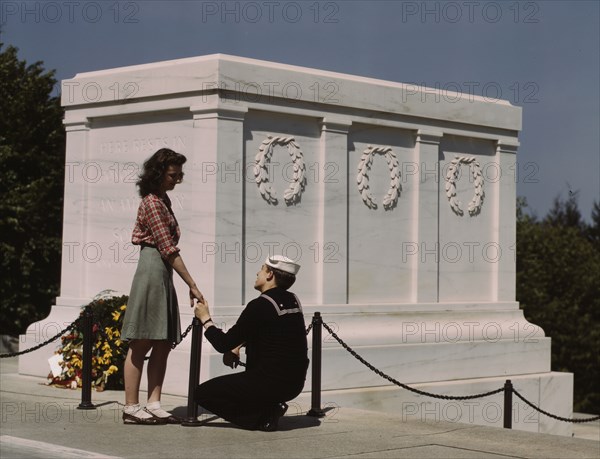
(550, 415)
(347, 348)
(76, 322)
(398, 383)
(183, 335)
(69, 328)
(38, 346)
(445, 397)
(309, 328)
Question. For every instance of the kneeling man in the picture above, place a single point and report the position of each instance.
(273, 330)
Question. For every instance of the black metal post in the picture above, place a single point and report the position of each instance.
(196, 353)
(86, 372)
(508, 391)
(317, 330)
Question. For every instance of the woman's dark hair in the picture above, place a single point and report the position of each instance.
(283, 279)
(154, 170)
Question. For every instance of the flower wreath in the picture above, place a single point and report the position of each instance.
(362, 179)
(108, 350)
(476, 203)
(261, 173)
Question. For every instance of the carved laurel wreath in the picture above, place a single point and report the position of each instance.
(451, 177)
(261, 173)
(362, 179)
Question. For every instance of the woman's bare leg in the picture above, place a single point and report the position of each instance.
(157, 367)
(134, 365)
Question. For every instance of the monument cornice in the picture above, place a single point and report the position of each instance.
(251, 79)
(333, 121)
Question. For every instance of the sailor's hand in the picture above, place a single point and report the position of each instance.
(201, 311)
(231, 359)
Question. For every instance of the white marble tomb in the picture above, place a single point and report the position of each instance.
(398, 201)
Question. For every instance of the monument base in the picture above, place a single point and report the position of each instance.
(454, 349)
(61, 315)
(551, 391)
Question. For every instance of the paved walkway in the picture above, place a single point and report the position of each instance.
(38, 421)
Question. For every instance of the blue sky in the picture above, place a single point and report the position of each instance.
(540, 55)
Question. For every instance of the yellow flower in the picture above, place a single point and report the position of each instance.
(111, 369)
(108, 348)
(76, 361)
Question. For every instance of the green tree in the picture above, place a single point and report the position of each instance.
(558, 286)
(594, 228)
(565, 213)
(32, 146)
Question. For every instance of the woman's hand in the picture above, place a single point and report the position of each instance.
(201, 311)
(195, 294)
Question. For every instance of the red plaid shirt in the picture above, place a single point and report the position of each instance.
(156, 225)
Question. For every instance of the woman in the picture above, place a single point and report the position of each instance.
(151, 319)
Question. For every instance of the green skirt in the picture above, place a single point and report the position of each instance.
(152, 310)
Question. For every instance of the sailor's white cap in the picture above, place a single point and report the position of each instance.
(283, 264)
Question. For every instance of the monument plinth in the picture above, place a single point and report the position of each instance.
(397, 200)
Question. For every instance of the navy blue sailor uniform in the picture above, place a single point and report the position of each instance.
(273, 330)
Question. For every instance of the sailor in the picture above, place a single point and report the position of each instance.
(272, 329)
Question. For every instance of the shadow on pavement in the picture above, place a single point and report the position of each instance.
(286, 423)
